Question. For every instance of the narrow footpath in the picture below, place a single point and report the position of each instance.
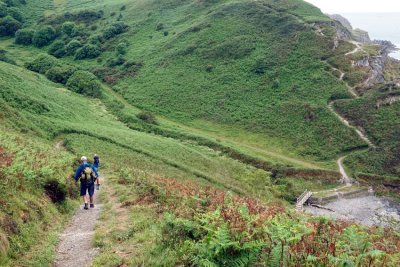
(75, 246)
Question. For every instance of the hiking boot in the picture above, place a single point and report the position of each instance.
(86, 206)
(92, 206)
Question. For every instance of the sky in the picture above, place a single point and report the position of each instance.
(356, 6)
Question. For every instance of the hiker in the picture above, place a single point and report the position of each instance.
(96, 165)
(88, 175)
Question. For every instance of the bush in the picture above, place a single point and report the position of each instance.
(56, 191)
(120, 49)
(4, 57)
(87, 51)
(24, 36)
(147, 117)
(84, 82)
(3, 10)
(159, 27)
(44, 36)
(114, 30)
(9, 26)
(112, 62)
(72, 46)
(79, 31)
(60, 74)
(42, 64)
(16, 14)
(57, 49)
(68, 28)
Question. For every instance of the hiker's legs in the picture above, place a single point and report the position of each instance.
(84, 188)
(91, 192)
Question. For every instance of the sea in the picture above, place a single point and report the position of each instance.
(380, 26)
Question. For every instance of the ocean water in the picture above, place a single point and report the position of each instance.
(380, 26)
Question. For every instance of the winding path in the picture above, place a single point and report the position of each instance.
(345, 177)
(358, 48)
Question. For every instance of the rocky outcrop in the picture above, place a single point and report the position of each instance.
(361, 36)
(342, 20)
(348, 33)
(378, 63)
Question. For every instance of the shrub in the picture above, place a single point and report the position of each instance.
(57, 49)
(68, 28)
(166, 33)
(120, 49)
(114, 30)
(147, 117)
(72, 46)
(84, 82)
(4, 57)
(60, 74)
(8, 26)
(123, 8)
(24, 36)
(87, 51)
(79, 31)
(3, 10)
(44, 36)
(112, 62)
(42, 64)
(159, 27)
(55, 190)
(16, 14)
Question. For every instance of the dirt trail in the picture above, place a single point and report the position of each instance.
(358, 48)
(345, 177)
(75, 245)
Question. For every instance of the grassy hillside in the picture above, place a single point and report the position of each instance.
(210, 117)
(247, 66)
(381, 123)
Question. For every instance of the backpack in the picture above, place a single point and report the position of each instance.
(87, 174)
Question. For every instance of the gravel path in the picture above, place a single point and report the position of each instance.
(368, 210)
(75, 246)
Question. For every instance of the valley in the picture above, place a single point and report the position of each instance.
(211, 118)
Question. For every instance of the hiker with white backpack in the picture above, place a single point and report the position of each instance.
(88, 176)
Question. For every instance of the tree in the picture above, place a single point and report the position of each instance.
(68, 28)
(87, 51)
(16, 14)
(44, 36)
(84, 82)
(24, 36)
(9, 25)
(60, 74)
(121, 48)
(3, 10)
(114, 30)
(57, 49)
(72, 46)
(42, 64)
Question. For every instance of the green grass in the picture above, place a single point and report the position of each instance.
(382, 126)
(239, 89)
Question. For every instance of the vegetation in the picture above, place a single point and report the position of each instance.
(24, 36)
(44, 36)
(212, 119)
(85, 83)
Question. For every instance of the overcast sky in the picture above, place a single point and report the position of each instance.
(353, 6)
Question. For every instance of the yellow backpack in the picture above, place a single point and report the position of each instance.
(87, 174)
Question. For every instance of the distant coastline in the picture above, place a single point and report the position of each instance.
(380, 26)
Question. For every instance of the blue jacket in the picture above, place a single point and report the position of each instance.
(96, 163)
(80, 169)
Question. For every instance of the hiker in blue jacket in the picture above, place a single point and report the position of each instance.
(96, 165)
(88, 175)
